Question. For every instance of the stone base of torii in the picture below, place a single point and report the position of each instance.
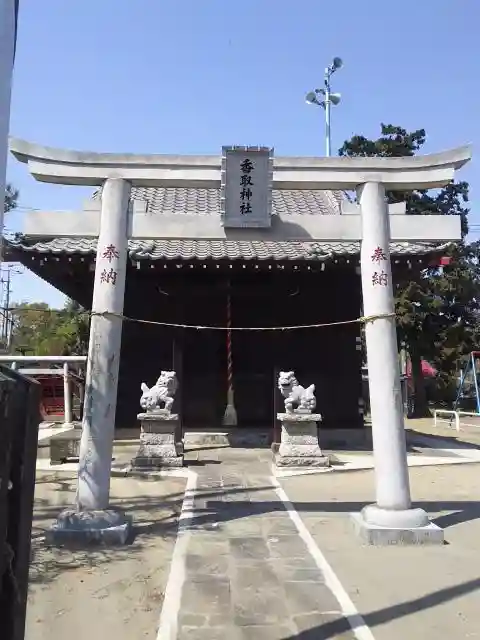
(391, 519)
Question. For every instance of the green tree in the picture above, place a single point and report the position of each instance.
(75, 329)
(457, 325)
(39, 330)
(436, 308)
(34, 330)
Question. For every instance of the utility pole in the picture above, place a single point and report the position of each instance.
(6, 308)
(8, 313)
(7, 319)
(5, 284)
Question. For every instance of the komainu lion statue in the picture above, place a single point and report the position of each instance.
(161, 395)
(297, 398)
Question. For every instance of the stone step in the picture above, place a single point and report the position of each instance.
(232, 437)
(258, 437)
(242, 437)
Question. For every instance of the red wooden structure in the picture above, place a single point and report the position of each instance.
(52, 405)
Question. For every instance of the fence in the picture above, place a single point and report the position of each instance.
(437, 413)
(19, 420)
(458, 419)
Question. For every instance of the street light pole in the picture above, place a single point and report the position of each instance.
(328, 140)
(325, 98)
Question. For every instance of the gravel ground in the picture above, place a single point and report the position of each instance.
(106, 592)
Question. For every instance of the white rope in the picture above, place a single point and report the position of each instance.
(200, 327)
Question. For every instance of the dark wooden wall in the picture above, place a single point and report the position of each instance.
(177, 293)
(324, 356)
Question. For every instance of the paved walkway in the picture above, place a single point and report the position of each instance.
(241, 570)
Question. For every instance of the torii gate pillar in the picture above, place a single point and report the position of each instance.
(92, 519)
(391, 519)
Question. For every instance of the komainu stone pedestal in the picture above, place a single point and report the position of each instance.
(159, 447)
(299, 441)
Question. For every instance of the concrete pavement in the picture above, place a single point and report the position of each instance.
(402, 592)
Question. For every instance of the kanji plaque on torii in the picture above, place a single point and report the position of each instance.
(246, 186)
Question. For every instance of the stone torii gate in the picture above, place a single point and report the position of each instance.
(392, 517)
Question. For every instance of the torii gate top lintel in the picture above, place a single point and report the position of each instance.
(86, 168)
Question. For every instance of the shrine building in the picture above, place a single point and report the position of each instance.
(200, 255)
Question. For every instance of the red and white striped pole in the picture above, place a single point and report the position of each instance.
(8, 38)
(230, 416)
(229, 343)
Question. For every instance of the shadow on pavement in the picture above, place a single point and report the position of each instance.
(418, 438)
(218, 511)
(382, 616)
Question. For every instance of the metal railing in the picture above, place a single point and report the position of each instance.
(473, 414)
(454, 417)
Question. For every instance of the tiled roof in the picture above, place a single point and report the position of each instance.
(218, 249)
(177, 200)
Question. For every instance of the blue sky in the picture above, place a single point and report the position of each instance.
(188, 76)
